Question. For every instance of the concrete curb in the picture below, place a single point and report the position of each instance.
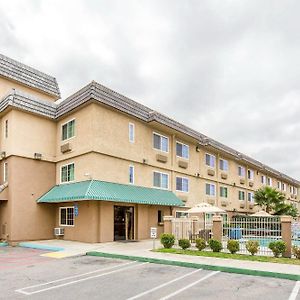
(40, 247)
(198, 266)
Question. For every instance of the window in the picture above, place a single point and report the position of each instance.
(250, 174)
(263, 179)
(241, 171)
(291, 189)
(284, 187)
(210, 160)
(279, 185)
(160, 180)
(269, 181)
(131, 174)
(210, 189)
(224, 165)
(160, 142)
(182, 184)
(182, 150)
(295, 191)
(6, 128)
(131, 132)
(223, 191)
(241, 195)
(66, 216)
(251, 197)
(5, 172)
(67, 173)
(159, 216)
(68, 130)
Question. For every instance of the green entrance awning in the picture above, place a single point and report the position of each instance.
(108, 191)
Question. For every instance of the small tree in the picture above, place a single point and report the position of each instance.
(274, 201)
(268, 198)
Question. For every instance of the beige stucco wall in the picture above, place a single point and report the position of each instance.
(30, 179)
(104, 132)
(95, 221)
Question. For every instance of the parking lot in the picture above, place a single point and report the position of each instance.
(35, 277)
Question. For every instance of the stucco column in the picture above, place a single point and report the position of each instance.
(286, 233)
(217, 228)
(168, 224)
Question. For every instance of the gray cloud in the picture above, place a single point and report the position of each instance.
(229, 69)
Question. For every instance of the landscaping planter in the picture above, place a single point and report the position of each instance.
(3, 244)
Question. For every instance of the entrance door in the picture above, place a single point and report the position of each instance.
(123, 223)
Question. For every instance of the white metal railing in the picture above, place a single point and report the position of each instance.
(245, 228)
(296, 233)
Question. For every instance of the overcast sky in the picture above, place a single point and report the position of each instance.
(229, 69)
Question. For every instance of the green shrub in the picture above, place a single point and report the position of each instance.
(167, 240)
(296, 251)
(233, 246)
(277, 247)
(252, 246)
(215, 245)
(184, 243)
(200, 244)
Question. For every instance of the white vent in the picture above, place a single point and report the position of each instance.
(59, 231)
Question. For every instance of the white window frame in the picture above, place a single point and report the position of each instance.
(263, 182)
(61, 172)
(222, 159)
(224, 187)
(279, 185)
(131, 126)
(6, 122)
(269, 181)
(66, 207)
(188, 148)
(5, 172)
(284, 185)
(188, 184)
(162, 173)
(131, 167)
(211, 184)
(251, 173)
(240, 191)
(252, 197)
(215, 160)
(156, 133)
(242, 168)
(61, 130)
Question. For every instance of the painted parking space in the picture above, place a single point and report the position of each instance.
(16, 257)
(104, 278)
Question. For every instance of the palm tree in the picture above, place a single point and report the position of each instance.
(269, 198)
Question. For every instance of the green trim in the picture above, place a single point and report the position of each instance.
(197, 266)
(109, 191)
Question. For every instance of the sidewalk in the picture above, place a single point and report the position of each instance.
(142, 249)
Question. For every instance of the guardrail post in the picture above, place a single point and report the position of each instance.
(168, 224)
(286, 233)
(217, 228)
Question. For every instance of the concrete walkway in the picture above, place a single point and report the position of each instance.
(143, 248)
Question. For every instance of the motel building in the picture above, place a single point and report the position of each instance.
(103, 167)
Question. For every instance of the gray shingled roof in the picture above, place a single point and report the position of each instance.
(29, 103)
(26, 75)
(99, 93)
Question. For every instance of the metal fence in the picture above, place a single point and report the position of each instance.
(245, 228)
(296, 234)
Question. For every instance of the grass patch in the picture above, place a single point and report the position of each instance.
(280, 260)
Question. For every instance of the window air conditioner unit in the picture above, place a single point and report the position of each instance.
(59, 231)
(38, 156)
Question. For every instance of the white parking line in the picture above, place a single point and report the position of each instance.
(162, 285)
(23, 290)
(190, 285)
(295, 291)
